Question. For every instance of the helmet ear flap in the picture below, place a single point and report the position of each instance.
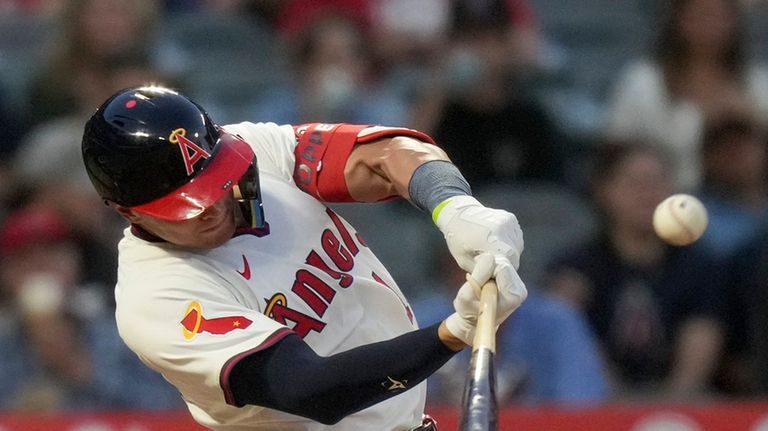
(247, 192)
(253, 212)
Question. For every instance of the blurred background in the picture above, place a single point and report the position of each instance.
(579, 116)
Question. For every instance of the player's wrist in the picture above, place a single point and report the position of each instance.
(435, 181)
(447, 209)
(449, 339)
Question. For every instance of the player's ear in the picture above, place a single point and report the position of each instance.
(127, 213)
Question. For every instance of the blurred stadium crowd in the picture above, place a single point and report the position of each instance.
(577, 115)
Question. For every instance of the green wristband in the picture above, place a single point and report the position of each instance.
(438, 209)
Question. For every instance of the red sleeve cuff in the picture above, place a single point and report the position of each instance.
(322, 152)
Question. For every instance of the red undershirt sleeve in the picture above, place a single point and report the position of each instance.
(322, 151)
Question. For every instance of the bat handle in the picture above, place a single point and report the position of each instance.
(485, 333)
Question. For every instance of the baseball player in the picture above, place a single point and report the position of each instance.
(262, 306)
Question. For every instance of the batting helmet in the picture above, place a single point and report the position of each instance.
(157, 152)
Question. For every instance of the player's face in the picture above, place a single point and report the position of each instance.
(208, 230)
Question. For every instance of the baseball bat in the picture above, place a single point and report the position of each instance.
(479, 409)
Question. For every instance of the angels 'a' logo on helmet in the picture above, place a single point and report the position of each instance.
(191, 153)
(145, 148)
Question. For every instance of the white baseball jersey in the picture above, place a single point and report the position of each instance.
(191, 315)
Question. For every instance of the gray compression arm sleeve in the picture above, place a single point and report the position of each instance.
(435, 181)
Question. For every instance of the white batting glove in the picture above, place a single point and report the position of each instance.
(471, 229)
(512, 293)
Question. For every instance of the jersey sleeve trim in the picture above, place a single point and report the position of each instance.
(322, 151)
(226, 370)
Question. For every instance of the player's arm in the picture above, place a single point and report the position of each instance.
(412, 167)
(289, 376)
(383, 168)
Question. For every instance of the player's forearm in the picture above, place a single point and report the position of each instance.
(290, 377)
(384, 168)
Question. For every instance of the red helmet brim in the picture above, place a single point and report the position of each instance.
(229, 161)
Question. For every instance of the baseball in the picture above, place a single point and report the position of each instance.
(680, 219)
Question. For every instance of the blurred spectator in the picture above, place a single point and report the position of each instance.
(48, 168)
(266, 10)
(95, 36)
(407, 44)
(333, 80)
(12, 127)
(734, 189)
(743, 370)
(545, 352)
(656, 309)
(61, 350)
(478, 110)
(734, 156)
(31, 6)
(8, 143)
(294, 16)
(401, 35)
(106, 45)
(516, 16)
(214, 6)
(700, 62)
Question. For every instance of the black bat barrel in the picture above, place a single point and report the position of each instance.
(479, 409)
